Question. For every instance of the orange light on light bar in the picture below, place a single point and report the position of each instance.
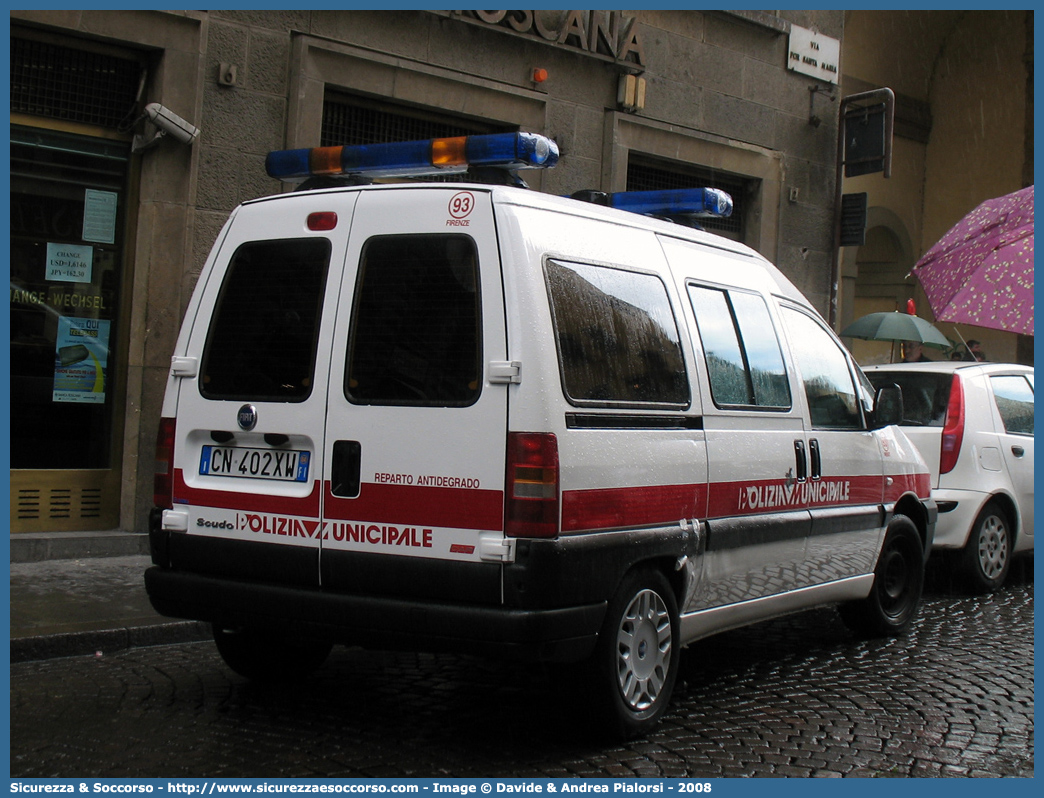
(325, 160)
(449, 152)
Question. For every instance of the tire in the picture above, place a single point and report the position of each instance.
(986, 557)
(266, 658)
(895, 596)
(635, 663)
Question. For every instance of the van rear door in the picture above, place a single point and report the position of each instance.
(416, 432)
(252, 392)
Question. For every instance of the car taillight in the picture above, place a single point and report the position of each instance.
(953, 428)
(531, 509)
(163, 485)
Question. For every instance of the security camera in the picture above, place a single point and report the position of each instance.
(166, 122)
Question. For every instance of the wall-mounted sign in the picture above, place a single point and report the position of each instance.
(70, 263)
(99, 216)
(606, 33)
(814, 54)
(80, 360)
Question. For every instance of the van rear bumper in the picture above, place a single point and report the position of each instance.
(560, 634)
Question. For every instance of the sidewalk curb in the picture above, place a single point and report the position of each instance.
(29, 547)
(26, 649)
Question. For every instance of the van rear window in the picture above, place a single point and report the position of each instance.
(415, 336)
(618, 341)
(262, 341)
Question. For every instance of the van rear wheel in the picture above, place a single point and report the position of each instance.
(635, 663)
(895, 596)
(263, 657)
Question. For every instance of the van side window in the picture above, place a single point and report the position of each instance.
(262, 341)
(617, 337)
(833, 400)
(741, 349)
(415, 336)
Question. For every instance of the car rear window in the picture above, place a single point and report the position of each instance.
(925, 395)
(262, 341)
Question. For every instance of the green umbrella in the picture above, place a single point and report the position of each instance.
(896, 326)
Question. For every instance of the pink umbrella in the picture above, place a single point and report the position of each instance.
(981, 271)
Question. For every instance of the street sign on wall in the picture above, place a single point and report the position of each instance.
(814, 54)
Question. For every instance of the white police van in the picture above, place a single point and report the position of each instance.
(474, 417)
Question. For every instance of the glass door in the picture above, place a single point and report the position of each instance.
(68, 202)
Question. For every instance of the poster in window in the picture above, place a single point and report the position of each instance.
(99, 216)
(69, 263)
(81, 360)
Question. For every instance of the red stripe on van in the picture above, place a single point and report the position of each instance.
(415, 505)
(610, 508)
(921, 484)
(752, 497)
(306, 506)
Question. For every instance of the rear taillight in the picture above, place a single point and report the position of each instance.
(531, 509)
(163, 486)
(953, 428)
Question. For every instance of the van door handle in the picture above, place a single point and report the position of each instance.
(802, 461)
(344, 469)
(1018, 451)
(817, 460)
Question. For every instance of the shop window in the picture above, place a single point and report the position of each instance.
(67, 223)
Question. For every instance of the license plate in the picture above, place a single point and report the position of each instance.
(238, 461)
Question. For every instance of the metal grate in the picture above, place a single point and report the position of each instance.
(72, 85)
(356, 120)
(58, 503)
(351, 121)
(644, 176)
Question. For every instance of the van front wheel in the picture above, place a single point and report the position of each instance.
(263, 657)
(895, 596)
(636, 660)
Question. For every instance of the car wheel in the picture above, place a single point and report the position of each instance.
(986, 557)
(895, 596)
(267, 658)
(635, 663)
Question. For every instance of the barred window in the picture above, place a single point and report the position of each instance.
(648, 175)
(73, 85)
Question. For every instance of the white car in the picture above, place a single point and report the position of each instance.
(973, 423)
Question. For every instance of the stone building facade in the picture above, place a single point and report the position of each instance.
(639, 99)
(963, 81)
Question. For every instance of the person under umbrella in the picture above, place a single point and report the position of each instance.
(913, 352)
(975, 350)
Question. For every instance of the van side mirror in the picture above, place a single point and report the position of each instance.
(888, 406)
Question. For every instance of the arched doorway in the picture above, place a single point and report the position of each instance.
(877, 278)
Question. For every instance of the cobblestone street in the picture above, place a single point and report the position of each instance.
(793, 697)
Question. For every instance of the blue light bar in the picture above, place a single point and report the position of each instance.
(507, 151)
(675, 202)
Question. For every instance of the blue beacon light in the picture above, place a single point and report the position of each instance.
(684, 201)
(506, 151)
